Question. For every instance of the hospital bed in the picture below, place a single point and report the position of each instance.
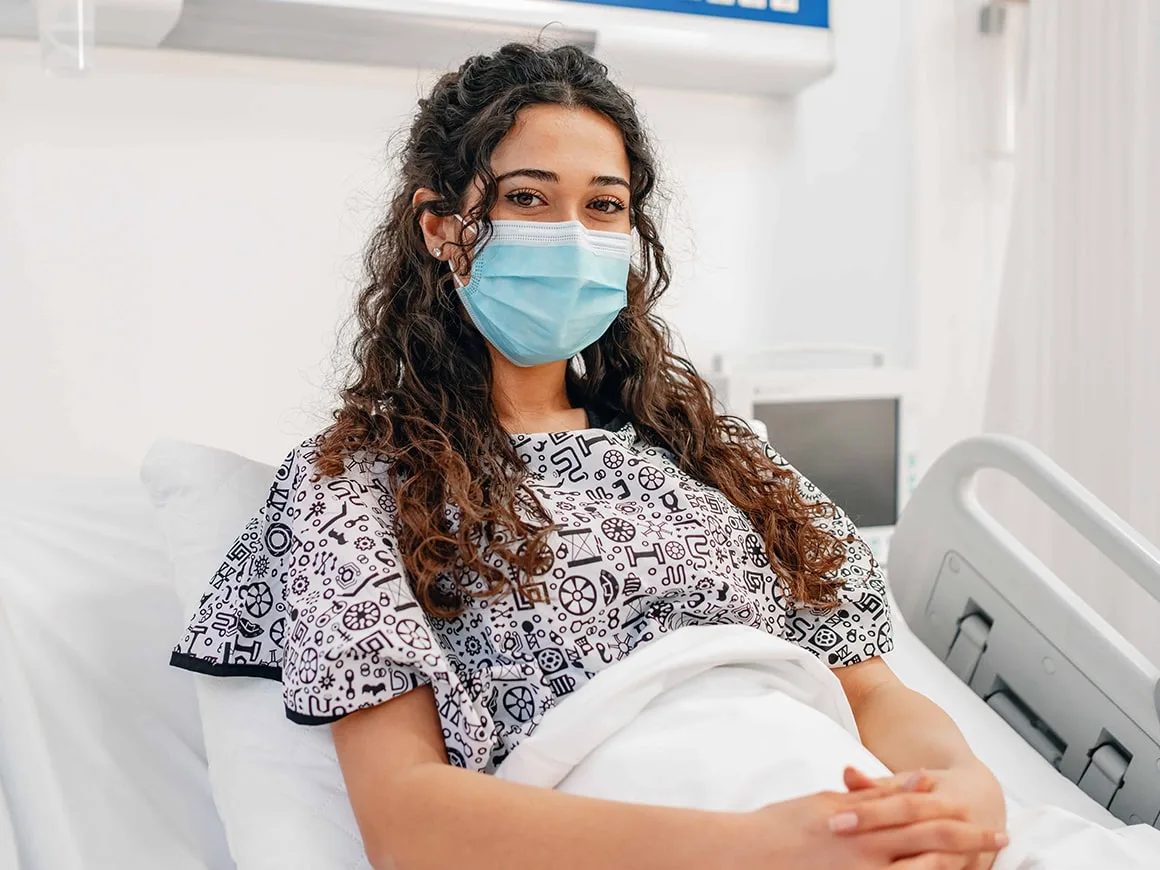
(101, 762)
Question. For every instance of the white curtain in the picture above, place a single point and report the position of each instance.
(1076, 361)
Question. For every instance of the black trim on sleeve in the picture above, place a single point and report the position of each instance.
(302, 719)
(269, 672)
(221, 669)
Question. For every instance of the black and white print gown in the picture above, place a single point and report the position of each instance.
(313, 593)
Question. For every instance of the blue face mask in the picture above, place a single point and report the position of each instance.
(541, 292)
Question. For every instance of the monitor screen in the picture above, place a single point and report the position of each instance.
(848, 448)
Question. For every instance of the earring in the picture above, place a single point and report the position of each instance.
(437, 251)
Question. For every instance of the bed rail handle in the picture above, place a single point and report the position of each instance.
(1057, 489)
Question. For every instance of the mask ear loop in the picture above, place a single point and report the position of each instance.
(454, 275)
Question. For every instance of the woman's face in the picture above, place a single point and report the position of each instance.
(555, 164)
(562, 164)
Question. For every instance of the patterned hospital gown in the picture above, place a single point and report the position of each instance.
(313, 592)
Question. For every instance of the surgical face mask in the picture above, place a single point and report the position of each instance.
(541, 292)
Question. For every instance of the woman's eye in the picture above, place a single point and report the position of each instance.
(525, 198)
(608, 206)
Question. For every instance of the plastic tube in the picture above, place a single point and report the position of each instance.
(66, 35)
(1004, 25)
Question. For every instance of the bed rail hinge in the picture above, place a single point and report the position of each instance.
(1028, 725)
(1105, 773)
(968, 646)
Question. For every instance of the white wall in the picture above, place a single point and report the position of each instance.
(180, 233)
(834, 233)
(961, 199)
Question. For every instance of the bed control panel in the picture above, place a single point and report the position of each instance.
(1095, 737)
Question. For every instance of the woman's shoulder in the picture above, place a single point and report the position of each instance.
(316, 484)
(319, 457)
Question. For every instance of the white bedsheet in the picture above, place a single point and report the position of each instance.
(727, 717)
(7, 833)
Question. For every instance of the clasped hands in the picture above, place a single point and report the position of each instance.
(921, 820)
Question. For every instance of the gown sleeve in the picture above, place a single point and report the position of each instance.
(313, 593)
(859, 628)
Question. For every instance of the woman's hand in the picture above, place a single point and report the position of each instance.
(971, 791)
(928, 832)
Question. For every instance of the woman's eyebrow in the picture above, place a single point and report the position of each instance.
(552, 178)
(536, 174)
(608, 181)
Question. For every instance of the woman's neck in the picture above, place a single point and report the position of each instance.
(533, 399)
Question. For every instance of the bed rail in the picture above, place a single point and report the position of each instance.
(1058, 673)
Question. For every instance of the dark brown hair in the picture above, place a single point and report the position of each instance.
(420, 394)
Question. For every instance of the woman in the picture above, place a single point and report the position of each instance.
(523, 484)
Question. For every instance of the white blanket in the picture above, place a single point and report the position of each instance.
(730, 718)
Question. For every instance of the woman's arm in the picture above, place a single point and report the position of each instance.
(416, 812)
(906, 730)
(909, 732)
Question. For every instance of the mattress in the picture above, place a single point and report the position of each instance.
(1025, 775)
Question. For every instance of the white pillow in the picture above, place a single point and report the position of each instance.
(101, 755)
(278, 785)
(27, 771)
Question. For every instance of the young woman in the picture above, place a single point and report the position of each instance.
(524, 484)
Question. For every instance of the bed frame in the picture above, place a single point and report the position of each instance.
(1006, 625)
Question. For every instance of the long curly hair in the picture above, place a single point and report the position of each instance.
(420, 389)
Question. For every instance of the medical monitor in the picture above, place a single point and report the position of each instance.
(850, 431)
(848, 447)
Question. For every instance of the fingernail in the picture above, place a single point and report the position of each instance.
(914, 781)
(1001, 840)
(843, 822)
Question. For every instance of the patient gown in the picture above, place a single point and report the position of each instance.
(313, 592)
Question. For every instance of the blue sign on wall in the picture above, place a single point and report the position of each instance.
(807, 13)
